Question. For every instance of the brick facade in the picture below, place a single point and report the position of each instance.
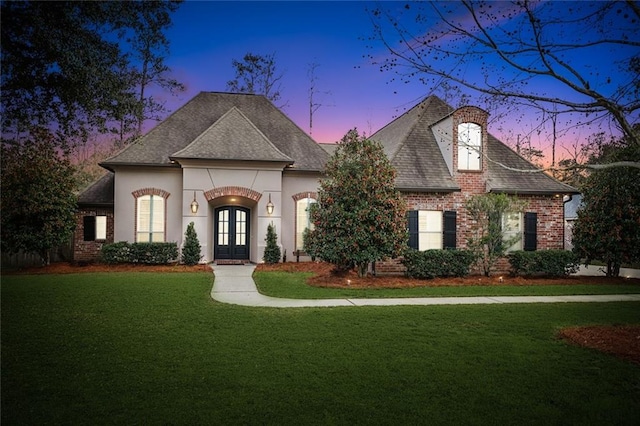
(89, 251)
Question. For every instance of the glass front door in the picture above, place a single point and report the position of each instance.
(231, 233)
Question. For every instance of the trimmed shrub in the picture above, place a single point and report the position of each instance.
(147, 253)
(272, 250)
(191, 250)
(437, 263)
(552, 263)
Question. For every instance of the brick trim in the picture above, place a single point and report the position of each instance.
(150, 191)
(238, 191)
(301, 195)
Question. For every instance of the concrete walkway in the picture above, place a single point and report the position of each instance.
(234, 284)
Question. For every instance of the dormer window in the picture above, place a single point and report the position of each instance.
(469, 146)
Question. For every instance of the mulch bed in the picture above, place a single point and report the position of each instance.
(620, 341)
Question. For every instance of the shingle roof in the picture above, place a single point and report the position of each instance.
(249, 143)
(412, 149)
(100, 193)
(198, 115)
(411, 145)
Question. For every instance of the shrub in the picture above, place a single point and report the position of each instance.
(116, 253)
(437, 263)
(272, 250)
(191, 250)
(553, 263)
(148, 253)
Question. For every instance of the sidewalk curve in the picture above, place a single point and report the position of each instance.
(234, 284)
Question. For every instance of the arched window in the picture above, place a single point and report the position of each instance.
(303, 220)
(150, 219)
(469, 146)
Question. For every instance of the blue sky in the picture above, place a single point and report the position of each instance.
(206, 36)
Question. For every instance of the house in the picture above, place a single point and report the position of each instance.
(234, 163)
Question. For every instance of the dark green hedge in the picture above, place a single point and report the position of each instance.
(553, 263)
(148, 253)
(437, 263)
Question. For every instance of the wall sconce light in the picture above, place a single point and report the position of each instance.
(270, 206)
(194, 204)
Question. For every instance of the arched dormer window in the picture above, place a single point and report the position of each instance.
(469, 146)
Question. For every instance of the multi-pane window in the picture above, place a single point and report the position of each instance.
(512, 228)
(223, 227)
(150, 220)
(95, 228)
(469, 146)
(431, 229)
(303, 220)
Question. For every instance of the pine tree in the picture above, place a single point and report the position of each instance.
(272, 250)
(191, 250)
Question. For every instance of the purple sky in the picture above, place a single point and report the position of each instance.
(207, 35)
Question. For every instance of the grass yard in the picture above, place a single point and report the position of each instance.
(293, 285)
(149, 348)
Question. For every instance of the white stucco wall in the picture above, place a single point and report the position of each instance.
(131, 179)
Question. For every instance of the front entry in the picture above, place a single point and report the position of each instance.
(231, 233)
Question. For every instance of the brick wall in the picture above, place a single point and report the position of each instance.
(89, 251)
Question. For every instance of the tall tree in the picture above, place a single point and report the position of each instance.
(38, 202)
(608, 225)
(78, 67)
(360, 216)
(517, 51)
(257, 74)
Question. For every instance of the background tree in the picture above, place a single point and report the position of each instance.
(272, 251)
(80, 68)
(38, 203)
(191, 250)
(608, 225)
(518, 50)
(257, 74)
(360, 216)
(487, 239)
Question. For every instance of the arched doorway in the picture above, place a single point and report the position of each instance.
(231, 233)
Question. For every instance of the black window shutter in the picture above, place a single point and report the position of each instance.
(530, 231)
(449, 231)
(412, 220)
(89, 225)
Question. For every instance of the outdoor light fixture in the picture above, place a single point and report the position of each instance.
(194, 204)
(270, 206)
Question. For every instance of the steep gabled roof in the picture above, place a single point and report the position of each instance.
(412, 149)
(248, 143)
(411, 145)
(186, 124)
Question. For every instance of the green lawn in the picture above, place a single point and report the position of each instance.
(155, 349)
(293, 285)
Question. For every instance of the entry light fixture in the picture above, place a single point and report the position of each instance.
(270, 206)
(194, 204)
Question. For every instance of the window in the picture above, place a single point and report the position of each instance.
(150, 220)
(303, 220)
(469, 146)
(431, 229)
(511, 228)
(95, 228)
(525, 226)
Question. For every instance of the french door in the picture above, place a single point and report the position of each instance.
(231, 233)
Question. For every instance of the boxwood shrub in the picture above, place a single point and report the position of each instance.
(430, 264)
(147, 253)
(552, 263)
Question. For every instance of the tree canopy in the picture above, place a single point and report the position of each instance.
(257, 74)
(578, 60)
(360, 216)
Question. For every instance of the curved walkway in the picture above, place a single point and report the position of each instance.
(234, 284)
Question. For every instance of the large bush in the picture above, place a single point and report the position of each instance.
(553, 263)
(147, 253)
(430, 264)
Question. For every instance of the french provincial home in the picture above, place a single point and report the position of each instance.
(234, 163)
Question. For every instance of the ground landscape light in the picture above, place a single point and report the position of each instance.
(194, 204)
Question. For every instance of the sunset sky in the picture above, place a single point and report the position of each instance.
(207, 35)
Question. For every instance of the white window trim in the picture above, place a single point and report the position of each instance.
(509, 230)
(430, 230)
(468, 149)
(300, 227)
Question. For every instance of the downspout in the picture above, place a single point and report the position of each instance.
(565, 200)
